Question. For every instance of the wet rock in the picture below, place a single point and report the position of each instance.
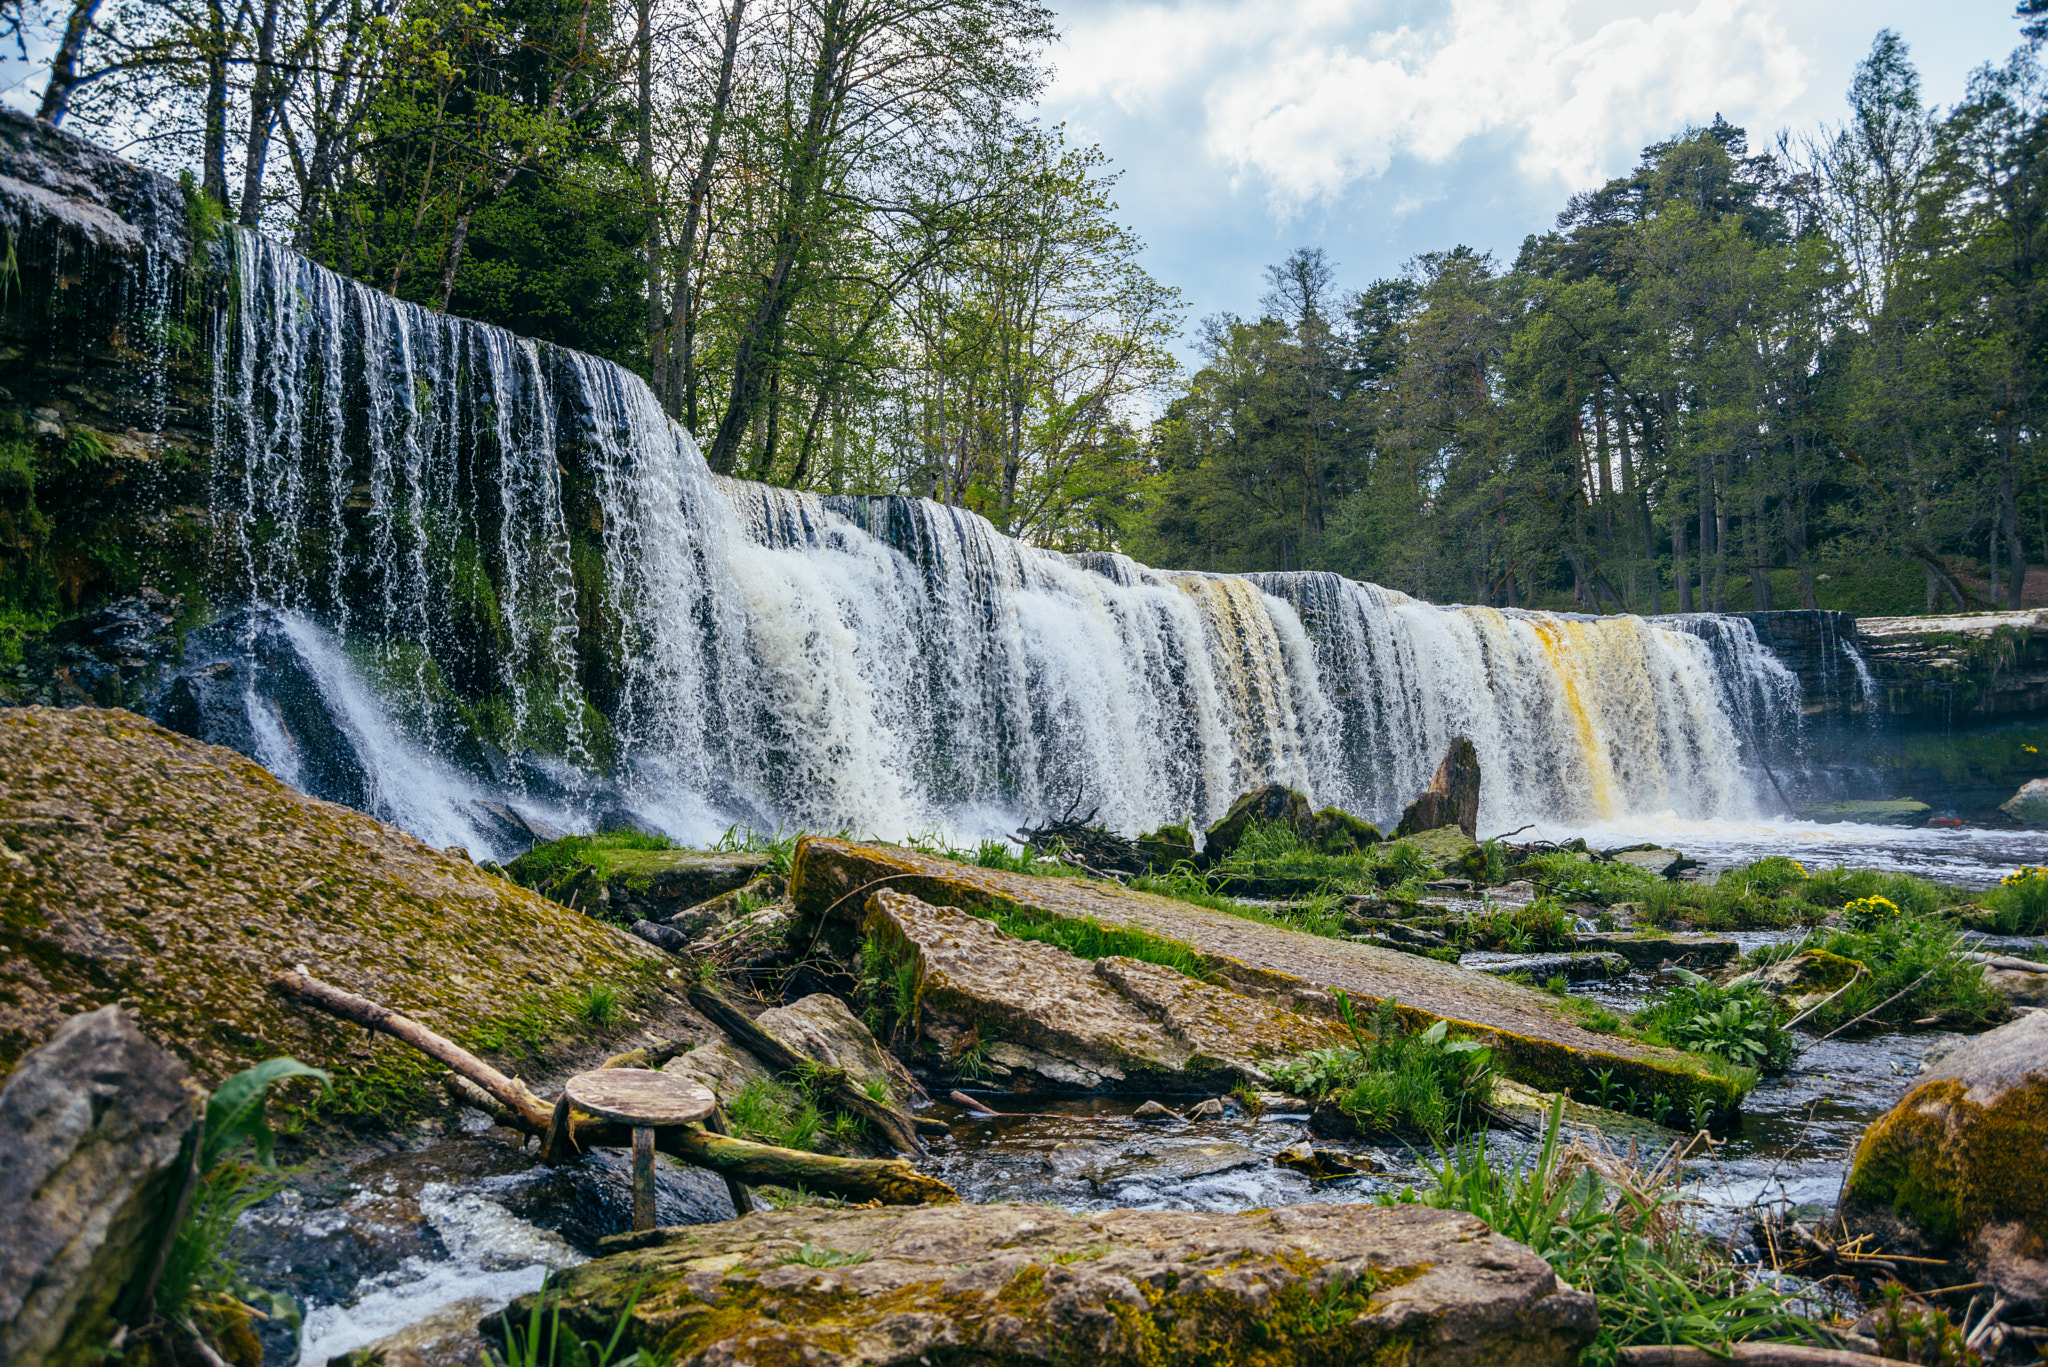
(1663, 863)
(94, 1120)
(144, 865)
(1324, 1165)
(1901, 811)
(117, 655)
(662, 936)
(1532, 1036)
(722, 910)
(1955, 1167)
(1276, 803)
(1211, 1109)
(1060, 1021)
(1571, 967)
(2029, 804)
(1810, 973)
(1152, 1113)
(1119, 1165)
(515, 827)
(1452, 798)
(446, 1338)
(2026, 986)
(1653, 951)
(1337, 832)
(1029, 1284)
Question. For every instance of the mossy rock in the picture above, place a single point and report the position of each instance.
(1167, 846)
(1902, 811)
(1337, 832)
(605, 877)
(1018, 1284)
(1956, 1165)
(139, 866)
(1276, 803)
(1447, 848)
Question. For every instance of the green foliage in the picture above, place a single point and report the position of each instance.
(1619, 1233)
(1541, 924)
(1087, 938)
(779, 847)
(1570, 879)
(1917, 959)
(816, 1255)
(1779, 893)
(1739, 1024)
(2021, 902)
(1914, 1332)
(1390, 1080)
(545, 1341)
(235, 1110)
(769, 1112)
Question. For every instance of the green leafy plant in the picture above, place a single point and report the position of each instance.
(1391, 1080)
(2021, 902)
(1739, 1024)
(1913, 969)
(1910, 1331)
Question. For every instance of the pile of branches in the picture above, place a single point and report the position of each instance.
(1084, 844)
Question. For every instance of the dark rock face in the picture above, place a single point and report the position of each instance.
(1452, 798)
(1025, 1284)
(114, 656)
(94, 1121)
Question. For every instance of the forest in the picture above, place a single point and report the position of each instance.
(844, 251)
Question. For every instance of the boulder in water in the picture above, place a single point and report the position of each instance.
(1955, 1167)
(1452, 798)
(94, 1121)
(1898, 811)
(1027, 1284)
(2029, 804)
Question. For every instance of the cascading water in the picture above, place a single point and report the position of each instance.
(528, 563)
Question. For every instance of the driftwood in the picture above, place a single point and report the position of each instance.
(1082, 842)
(894, 1125)
(1751, 1355)
(988, 1115)
(513, 1104)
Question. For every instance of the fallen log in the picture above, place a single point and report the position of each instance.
(987, 1114)
(1750, 1355)
(895, 1126)
(512, 1104)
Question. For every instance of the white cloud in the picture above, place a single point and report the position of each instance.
(1308, 98)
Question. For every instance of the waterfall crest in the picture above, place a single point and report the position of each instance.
(531, 567)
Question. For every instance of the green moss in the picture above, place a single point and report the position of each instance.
(1952, 1167)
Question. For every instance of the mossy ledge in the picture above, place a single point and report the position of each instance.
(1534, 1040)
(142, 867)
(1003, 1284)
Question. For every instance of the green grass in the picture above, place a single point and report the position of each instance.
(1919, 956)
(770, 1113)
(1778, 893)
(1542, 924)
(598, 1005)
(1392, 1081)
(2021, 903)
(779, 847)
(1621, 1235)
(1088, 938)
(1571, 879)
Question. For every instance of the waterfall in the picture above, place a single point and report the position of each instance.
(553, 601)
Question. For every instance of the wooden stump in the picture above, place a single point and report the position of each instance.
(647, 1102)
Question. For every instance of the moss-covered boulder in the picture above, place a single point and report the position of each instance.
(1335, 831)
(1276, 804)
(142, 867)
(1532, 1036)
(1956, 1166)
(1029, 1284)
(1167, 846)
(1447, 849)
(1899, 811)
(1034, 1016)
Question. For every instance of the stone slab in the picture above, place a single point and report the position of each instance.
(1533, 1039)
(1031, 1284)
(1697, 952)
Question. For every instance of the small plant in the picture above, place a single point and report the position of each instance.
(1739, 1024)
(1913, 1332)
(1700, 1112)
(2021, 902)
(1870, 913)
(1660, 1108)
(970, 1053)
(771, 1113)
(1605, 1077)
(547, 1342)
(815, 1255)
(598, 1005)
(1391, 1081)
(877, 1089)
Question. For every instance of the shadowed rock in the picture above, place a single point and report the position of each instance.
(1452, 798)
(93, 1121)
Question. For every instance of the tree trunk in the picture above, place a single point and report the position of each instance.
(657, 338)
(214, 153)
(682, 383)
(1681, 571)
(263, 99)
(64, 65)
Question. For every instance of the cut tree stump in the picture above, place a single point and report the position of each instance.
(647, 1102)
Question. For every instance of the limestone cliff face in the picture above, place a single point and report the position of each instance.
(139, 866)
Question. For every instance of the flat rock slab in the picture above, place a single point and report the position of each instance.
(1534, 1041)
(1048, 1019)
(1032, 1284)
(1696, 952)
(1662, 863)
(1897, 812)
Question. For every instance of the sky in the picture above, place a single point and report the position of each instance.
(1378, 129)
